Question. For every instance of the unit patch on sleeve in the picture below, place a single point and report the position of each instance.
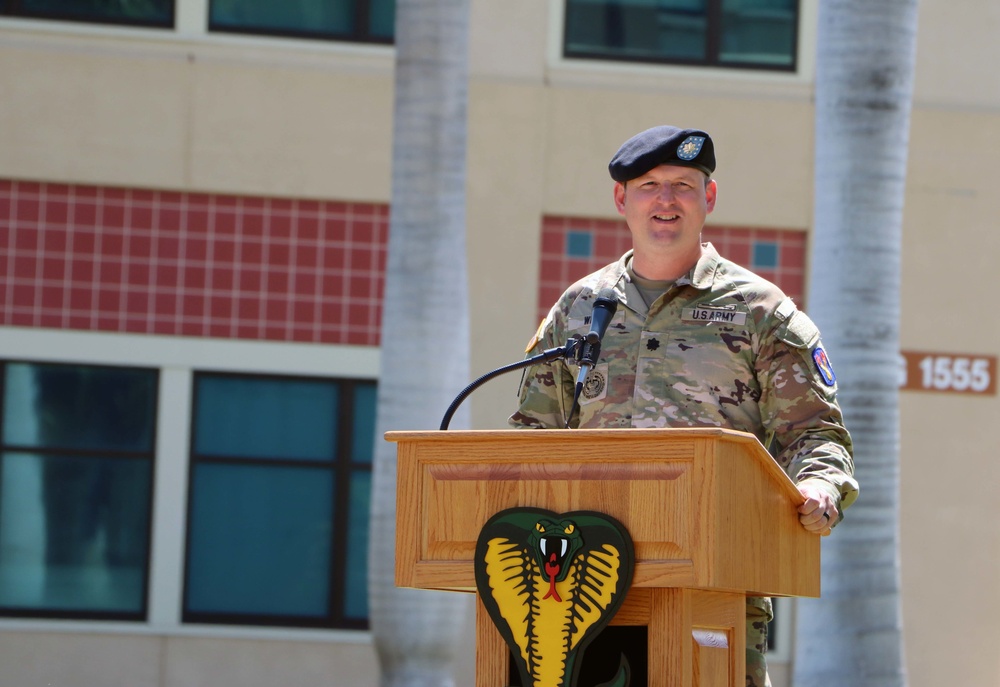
(537, 337)
(824, 367)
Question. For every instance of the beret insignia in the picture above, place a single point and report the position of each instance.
(690, 147)
(663, 145)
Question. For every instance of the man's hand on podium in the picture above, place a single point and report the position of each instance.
(819, 512)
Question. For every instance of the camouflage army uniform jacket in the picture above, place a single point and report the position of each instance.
(721, 348)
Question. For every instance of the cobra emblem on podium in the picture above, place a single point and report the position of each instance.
(551, 582)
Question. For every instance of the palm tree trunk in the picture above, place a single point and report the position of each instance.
(425, 337)
(864, 83)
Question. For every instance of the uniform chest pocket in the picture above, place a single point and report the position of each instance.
(707, 361)
(595, 387)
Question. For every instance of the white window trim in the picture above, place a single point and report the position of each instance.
(191, 40)
(178, 358)
(698, 80)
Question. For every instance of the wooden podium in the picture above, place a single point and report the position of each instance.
(711, 514)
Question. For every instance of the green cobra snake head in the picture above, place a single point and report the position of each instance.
(555, 544)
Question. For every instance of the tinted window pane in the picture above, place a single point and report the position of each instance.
(363, 437)
(266, 418)
(160, 12)
(382, 18)
(273, 542)
(260, 540)
(637, 29)
(356, 580)
(759, 31)
(79, 407)
(74, 532)
(301, 16)
(683, 30)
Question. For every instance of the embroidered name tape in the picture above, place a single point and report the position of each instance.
(713, 315)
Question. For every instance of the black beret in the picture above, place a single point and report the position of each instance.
(663, 145)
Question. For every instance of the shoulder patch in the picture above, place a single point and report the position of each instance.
(823, 366)
(785, 309)
(798, 331)
(537, 337)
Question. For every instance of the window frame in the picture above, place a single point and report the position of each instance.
(14, 9)
(360, 34)
(176, 358)
(77, 614)
(714, 17)
(341, 467)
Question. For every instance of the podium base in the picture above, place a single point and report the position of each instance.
(688, 637)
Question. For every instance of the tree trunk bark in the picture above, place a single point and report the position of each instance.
(864, 83)
(425, 324)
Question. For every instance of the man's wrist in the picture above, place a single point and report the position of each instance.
(826, 487)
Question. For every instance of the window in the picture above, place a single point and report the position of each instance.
(579, 244)
(278, 505)
(352, 20)
(158, 13)
(758, 34)
(766, 255)
(76, 466)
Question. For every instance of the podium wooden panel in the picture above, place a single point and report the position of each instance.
(711, 514)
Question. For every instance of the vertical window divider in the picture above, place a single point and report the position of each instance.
(341, 499)
(713, 46)
(191, 17)
(170, 497)
(362, 20)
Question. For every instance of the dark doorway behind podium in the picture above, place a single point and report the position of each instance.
(602, 657)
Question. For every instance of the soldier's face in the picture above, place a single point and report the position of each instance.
(665, 210)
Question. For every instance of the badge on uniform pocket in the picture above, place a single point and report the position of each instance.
(595, 386)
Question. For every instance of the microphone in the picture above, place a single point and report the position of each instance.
(605, 307)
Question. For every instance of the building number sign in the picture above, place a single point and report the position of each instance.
(949, 372)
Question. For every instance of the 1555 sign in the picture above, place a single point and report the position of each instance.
(950, 372)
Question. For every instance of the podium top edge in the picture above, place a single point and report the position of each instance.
(561, 434)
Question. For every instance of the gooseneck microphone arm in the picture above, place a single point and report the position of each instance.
(584, 350)
(570, 350)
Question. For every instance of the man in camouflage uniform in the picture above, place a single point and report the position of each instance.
(697, 341)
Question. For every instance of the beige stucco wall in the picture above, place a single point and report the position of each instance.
(97, 659)
(951, 545)
(195, 114)
(253, 116)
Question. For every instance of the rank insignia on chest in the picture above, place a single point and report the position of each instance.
(722, 315)
(824, 367)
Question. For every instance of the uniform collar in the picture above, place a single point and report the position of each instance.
(701, 276)
(616, 276)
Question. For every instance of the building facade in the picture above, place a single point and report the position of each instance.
(194, 207)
